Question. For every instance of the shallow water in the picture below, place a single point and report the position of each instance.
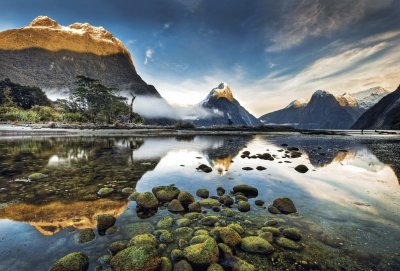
(348, 202)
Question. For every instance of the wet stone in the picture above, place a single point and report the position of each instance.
(202, 193)
(284, 205)
(301, 168)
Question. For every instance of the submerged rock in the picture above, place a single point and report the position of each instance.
(166, 193)
(175, 206)
(202, 254)
(301, 168)
(209, 203)
(259, 202)
(292, 233)
(143, 240)
(75, 261)
(86, 235)
(228, 235)
(247, 190)
(182, 265)
(220, 191)
(185, 198)
(284, 205)
(117, 246)
(255, 244)
(105, 221)
(140, 258)
(165, 222)
(209, 220)
(287, 243)
(243, 206)
(194, 207)
(202, 193)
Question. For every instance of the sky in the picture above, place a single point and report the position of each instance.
(269, 52)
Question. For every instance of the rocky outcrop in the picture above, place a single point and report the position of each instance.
(50, 56)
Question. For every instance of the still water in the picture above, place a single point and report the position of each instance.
(348, 202)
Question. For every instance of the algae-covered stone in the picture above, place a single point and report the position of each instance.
(164, 236)
(37, 176)
(274, 231)
(193, 216)
(183, 233)
(255, 244)
(166, 193)
(183, 222)
(199, 239)
(227, 212)
(241, 197)
(247, 190)
(175, 206)
(273, 210)
(86, 235)
(201, 232)
(165, 222)
(105, 191)
(137, 228)
(237, 227)
(202, 193)
(105, 259)
(183, 265)
(220, 191)
(177, 254)
(215, 267)
(284, 205)
(75, 261)
(142, 258)
(209, 220)
(194, 207)
(185, 198)
(228, 235)
(292, 233)
(243, 206)
(146, 200)
(228, 201)
(117, 246)
(237, 264)
(225, 250)
(166, 264)
(105, 221)
(143, 240)
(287, 243)
(111, 230)
(267, 236)
(209, 203)
(127, 190)
(202, 254)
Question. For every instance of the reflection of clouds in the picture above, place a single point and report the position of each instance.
(159, 147)
(72, 156)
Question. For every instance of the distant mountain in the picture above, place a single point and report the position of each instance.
(368, 98)
(383, 115)
(224, 109)
(325, 110)
(50, 56)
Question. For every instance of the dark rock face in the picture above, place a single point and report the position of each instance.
(383, 115)
(225, 110)
(58, 70)
(289, 115)
(284, 205)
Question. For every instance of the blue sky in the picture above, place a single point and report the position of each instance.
(269, 52)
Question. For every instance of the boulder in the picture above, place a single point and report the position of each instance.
(136, 258)
(247, 190)
(175, 206)
(202, 254)
(202, 193)
(166, 193)
(255, 244)
(147, 200)
(284, 205)
(105, 221)
(75, 261)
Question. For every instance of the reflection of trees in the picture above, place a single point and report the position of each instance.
(93, 162)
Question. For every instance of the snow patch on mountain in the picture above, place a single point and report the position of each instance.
(368, 98)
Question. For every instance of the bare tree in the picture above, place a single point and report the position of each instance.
(131, 112)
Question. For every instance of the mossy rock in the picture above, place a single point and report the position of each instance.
(193, 216)
(147, 200)
(215, 267)
(166, 193)
(209, 203)
(105, 259)
(165, 222)
(200, 232)
(202, 254)
(247, 190)
(237, 227)
(37, 176)
(137, 228)
(86, 235)
(183, 233)
(292, 233)
(288, 244)
(267, 236)
(166, 264)
(143, 240)
(209, 220)
(183, 265)
(284, 205)
(127, 190)
(237, 264)
(175, 206)
(183, 222)
(228, 235)
(194, 207)
(228, 212)
(177, 254)
(117, 246)
(105, 191)
(255, 244)
(185, 198)
(199, 239)
(111, 230)
(274, 231)
(202, 193)
(243, 206)
(142, 258)
(75, 261)
(164, 236)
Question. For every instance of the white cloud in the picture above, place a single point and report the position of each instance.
(148, 55)
(306, 18)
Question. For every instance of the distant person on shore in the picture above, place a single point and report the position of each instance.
(362, 131)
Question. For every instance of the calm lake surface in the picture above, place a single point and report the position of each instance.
(348, 202)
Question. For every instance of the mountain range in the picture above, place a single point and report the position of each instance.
(325, 110)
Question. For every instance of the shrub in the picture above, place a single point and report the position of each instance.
(184, 125)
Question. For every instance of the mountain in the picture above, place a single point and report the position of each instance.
(325, 110)
(224, 109)
(368, 98)
(383, 115)
(290, 115)
(50, 56)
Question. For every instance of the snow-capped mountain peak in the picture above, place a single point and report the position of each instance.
(368, 98)
(297, 103)
(347, 100)
(222, 91)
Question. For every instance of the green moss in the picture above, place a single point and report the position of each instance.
(86, 235)
(209, 220)
(228, 235)
(215, 267)
(292, 233)
(274, 231)
(199, 239)
(146, 200)
(287, 243)
(193, 216)
(143, 258)
(237, 227)
(165, 193)
(37, 176)
(256, 244)
(75, 261)
(209, 203)
(165, 222)
(183, 222)
(166, 264)
(183, 233)
(143, 240)
(203, 253)
(201, 232)
(164, 236)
